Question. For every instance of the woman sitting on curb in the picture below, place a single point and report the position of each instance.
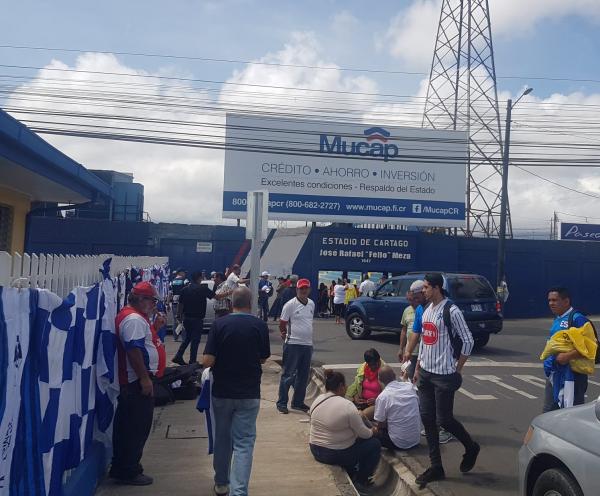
(338, 434)
(366, 386)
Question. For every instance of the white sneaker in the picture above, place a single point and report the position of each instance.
(221, 490)
(445, 436)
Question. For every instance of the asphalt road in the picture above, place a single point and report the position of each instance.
(502, 391)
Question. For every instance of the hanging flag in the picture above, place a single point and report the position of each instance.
(15, 314)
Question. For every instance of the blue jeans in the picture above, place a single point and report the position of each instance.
(235, 433)
(296, 369)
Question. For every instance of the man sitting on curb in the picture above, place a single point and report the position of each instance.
(237, 345)
(397, 412)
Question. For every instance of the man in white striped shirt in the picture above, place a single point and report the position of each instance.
(446, 344)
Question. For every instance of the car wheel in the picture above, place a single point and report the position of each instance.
(356, 327)
(481, 341)
(556, 482)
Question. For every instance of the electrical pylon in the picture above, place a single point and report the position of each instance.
(462, 95)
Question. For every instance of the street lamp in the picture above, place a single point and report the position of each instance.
(500, 278)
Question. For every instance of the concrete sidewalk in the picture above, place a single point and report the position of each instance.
(176, 452)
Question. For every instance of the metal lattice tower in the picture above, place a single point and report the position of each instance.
(462, 95)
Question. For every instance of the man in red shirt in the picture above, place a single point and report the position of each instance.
(141, 356)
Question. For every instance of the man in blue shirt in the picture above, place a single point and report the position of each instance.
(559, 301)
(265, 291)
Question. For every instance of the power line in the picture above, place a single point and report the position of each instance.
(579, 216)
(591, 195)
(207, 81)
(278, 64)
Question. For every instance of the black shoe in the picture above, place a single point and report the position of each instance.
(430, 475)
(302, 408)
(283, 409)
(179, 361)
(364, 488)
(469, 458)
(138, 480)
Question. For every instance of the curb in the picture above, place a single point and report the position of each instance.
(395, 475)
(340, 476)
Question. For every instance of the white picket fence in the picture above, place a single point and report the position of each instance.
(61, 273)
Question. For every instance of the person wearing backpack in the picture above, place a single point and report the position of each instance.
(446, 344)
(565, 317)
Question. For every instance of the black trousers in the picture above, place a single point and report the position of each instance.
(436, 403)
(131, 427)
(364, 454)
(193, 333)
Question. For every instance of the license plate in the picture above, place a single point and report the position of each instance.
(476, 308)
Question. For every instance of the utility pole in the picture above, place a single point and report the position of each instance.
(501, 277)
(504, 200)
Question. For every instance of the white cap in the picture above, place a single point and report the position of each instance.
(417, 286)
(265, 273)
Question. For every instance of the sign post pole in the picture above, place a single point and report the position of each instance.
(256, 230)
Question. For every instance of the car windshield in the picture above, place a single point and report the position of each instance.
(470, 288)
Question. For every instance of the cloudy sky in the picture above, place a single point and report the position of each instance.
(551, 45)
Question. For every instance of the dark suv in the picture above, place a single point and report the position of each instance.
(382, 311)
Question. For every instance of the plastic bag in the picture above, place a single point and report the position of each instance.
(179, 329)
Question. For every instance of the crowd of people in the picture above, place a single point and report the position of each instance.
(334, 300)
(349, 424)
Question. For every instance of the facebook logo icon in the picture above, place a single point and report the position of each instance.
(416, 208)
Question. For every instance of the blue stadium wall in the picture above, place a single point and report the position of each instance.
(531, 266)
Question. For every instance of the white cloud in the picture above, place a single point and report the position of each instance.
(590, 184)
(549, 123)
(280, 86)
(185, 184)
(411, 34)
(541, 121)
(515, 16)
(181, 184)
(344, 23)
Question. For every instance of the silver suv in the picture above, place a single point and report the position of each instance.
(561, 453)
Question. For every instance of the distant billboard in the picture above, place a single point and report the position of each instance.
(580, 232)
(343, 172)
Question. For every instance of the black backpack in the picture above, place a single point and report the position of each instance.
(455, 340)
(570, 324)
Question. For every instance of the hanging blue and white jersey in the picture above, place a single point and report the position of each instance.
(15, 315)
(58, 384)
(205, 405)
